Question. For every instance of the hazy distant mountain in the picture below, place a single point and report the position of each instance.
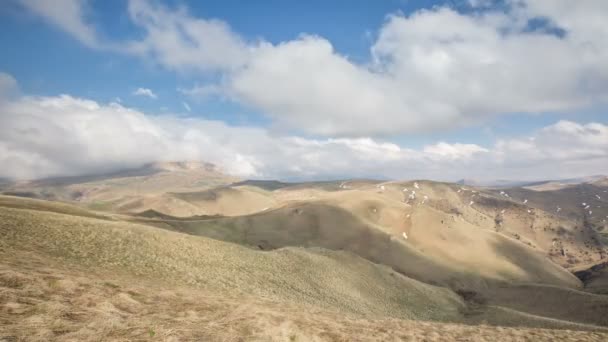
(147, 187)
(562, 183)
(503, 183)
(498, 183)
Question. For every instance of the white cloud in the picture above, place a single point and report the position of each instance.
(178, 41)
(202, 92)
(564, 141)
(145, 92)
(433, 69)
(430, 70)
(63, 135)
(480, 3)
(304, 84)
(8, 85)
(454, 151)
(68, 15)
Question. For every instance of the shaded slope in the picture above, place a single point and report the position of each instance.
(227, 201)
(425, 256)
(568, 241)
(333, 280)
(54, 303)
(595, 278)
(550, 301)
(574, 220)
(337, 281)
(570, 199)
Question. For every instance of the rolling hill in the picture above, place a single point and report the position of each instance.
(378, 253)
(91, 260)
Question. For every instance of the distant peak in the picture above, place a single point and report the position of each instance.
(182, 165)
(465, 181)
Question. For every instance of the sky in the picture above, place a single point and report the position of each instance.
(292, 90)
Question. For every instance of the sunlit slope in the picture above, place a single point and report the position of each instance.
(448, 226)
(333, 280)
(571, 222)
(437, 250)
(569, 238)
(568, 241)
(229, 201)
(582, 201)
(338, 281)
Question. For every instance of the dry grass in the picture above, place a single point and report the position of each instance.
(569, 238)
(66, 277)
(45, 301)
(438, 249)
(131, 190)
(47, 206)
(227, 201)
(333, 280)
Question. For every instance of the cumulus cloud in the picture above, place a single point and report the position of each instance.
(433, 69)
(454, 151)
(304, 84)
(46, 136)
(145, 92)
(68, 15)
(63, 135)
(181, 42)
(8, 84)
(564, 141)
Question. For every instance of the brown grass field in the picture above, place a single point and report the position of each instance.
(319, 263)
(45, 301)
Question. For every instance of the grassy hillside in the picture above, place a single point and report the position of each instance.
(551, 301)
(434, 252)
(227, 201)
(567, 240)
(130, 191)
(43, 300)
(64, 276)
(293, 274)
(571, 237)
(48, 206)
(570, 199)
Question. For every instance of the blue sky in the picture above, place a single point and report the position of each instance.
(471, 74)
(72, 68)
